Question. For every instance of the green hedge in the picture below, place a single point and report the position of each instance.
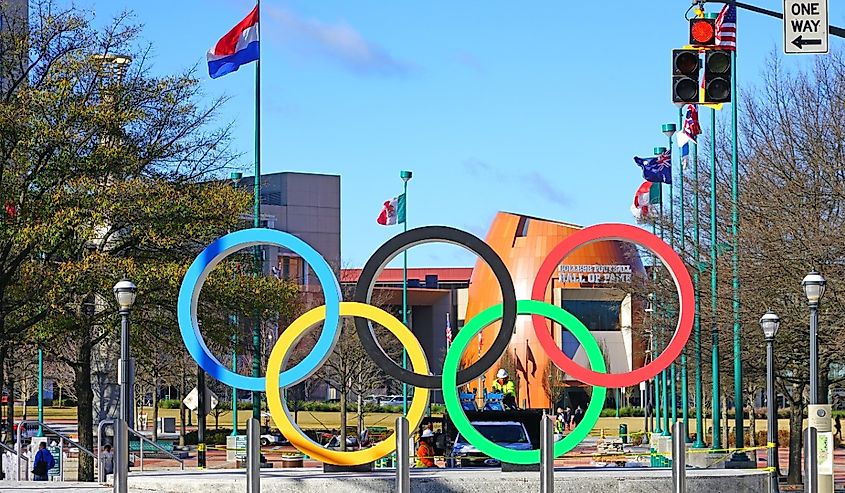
(175, 403)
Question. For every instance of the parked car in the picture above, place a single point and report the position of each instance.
(272, 439)
(392, 400)
(351, 443)
(509, 434)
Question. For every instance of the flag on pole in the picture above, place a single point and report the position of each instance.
(726, 28)
(448, 331)
(529, 358)
(657, 169)
(691, 129)
(393, 211)
(647, 195)
(518, 363)
(238, 47)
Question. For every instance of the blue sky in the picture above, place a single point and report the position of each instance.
(493, 105)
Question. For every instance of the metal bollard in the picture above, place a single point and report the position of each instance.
(253, 456)
(121, 456)
(811, 462)
(679, 459)
(547, 454)
(403, 456)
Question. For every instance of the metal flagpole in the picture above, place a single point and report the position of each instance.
(696, 278)
(664, 395)
(669, 130)
(682, 240)
(406, 177)
(672, 379)
(658, 427)
(738, 400)
(256, 222)
(714, 288)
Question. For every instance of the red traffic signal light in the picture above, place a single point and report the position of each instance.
(702, 32)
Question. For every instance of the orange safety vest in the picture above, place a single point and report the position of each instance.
(425, 455)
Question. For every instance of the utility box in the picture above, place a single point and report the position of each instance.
(235, 447)
(819, 416)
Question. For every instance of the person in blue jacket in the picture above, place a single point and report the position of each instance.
(44, 461)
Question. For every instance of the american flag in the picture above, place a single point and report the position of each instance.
(726, 28)
(448, 332)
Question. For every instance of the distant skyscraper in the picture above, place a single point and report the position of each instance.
(14, 19)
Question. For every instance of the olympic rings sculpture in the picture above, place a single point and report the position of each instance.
(279, 376)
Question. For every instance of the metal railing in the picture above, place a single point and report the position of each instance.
(62, 439)
(142, 438)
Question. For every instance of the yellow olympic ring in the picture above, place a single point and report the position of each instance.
(279, 358)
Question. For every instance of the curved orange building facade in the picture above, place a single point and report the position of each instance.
(524, 242)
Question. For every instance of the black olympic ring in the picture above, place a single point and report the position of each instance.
(419, 236)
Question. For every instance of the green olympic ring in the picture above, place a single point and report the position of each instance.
(462, 340)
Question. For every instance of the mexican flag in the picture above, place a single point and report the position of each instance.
(393, 211)
(647, 194)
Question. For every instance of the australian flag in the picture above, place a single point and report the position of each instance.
(657, 169)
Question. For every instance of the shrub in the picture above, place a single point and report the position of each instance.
(624, 412)
(169, 403)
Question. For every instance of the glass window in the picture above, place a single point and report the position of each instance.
(596, 315)
(504, 433)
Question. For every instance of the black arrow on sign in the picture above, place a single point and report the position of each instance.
(800, 42)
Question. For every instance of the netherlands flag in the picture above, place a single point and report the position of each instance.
(238, 47)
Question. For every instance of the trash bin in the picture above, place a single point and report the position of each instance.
(623, 432)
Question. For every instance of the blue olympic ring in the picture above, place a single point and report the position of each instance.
(213, 255)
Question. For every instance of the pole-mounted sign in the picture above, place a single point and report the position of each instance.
(805, 26)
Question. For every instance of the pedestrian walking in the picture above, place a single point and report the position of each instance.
(107, 458)
(44, 461)
(578, 415)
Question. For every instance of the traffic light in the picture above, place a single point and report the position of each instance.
(702, 32)
(717, 76)
(685, 69)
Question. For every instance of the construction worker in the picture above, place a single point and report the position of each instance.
(425, 453)
(505, 386)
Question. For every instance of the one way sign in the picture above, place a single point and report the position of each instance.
(805, 26)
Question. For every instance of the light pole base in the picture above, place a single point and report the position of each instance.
(740, 460)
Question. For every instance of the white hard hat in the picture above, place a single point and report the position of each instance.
(427, 433)
(501, 373)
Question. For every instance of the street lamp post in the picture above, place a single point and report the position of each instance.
(124, 293)
(770, 324)
(814, 285)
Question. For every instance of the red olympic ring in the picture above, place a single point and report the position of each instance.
(641, 237)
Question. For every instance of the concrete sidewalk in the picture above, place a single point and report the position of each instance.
(56, 487)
